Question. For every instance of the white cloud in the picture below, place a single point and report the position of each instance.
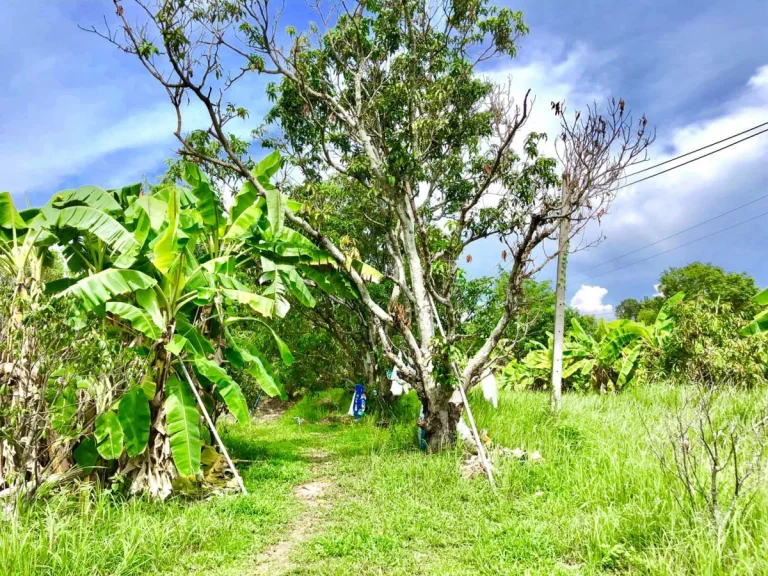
(673, 201)
(589, 300)
(78, 109)
(76, 137)
(552, 80)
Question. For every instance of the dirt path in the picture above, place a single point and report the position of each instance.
(276, 560)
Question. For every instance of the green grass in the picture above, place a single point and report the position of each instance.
(596, 504)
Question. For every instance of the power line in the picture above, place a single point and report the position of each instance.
(669, 170)
(677, 247)
(691, 160)
(697, 150)
(731, 211)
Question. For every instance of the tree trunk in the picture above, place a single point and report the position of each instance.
(152, 472)
(441, 415)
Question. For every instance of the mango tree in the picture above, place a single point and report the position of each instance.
(388, 99)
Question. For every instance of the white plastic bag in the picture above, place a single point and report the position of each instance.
(396, 388)
(463, 431)
(490, 391)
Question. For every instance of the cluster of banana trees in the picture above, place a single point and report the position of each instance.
(609, 359)
(172, 271)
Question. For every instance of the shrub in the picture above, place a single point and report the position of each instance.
(705, 346)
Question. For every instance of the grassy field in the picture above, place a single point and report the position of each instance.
(336, 497)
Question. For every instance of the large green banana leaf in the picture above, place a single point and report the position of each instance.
(134, 416)
(267, 167)
(244, 222)
(244, 355)
(296, 287)
(229, 389)
(99, 288)
(616, 340)
(285, 352)
(209, 205)
(9, 216)
(257, 302)
(331, 282)
(109, 435)
(100, 224)
(628, 366)
(92, 196)
(275, 211)
(664, 318)
(165, 248)
(139, 318)
(759, 324)
(580, 333)
(367, 272)
(196, 341)
(154, 208)
(147, 299)
(182, 419)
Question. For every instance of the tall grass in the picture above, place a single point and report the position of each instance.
(597, 503)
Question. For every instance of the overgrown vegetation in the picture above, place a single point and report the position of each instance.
(595, 504)
(165, 275)
(141, 326)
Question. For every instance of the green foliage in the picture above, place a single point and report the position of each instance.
(228, 388)
(698, 280)
(705, 346)
(10, 218)
(165, 272)
(139, 318)
(109, 435)
(182, 262)
(759, 324)
(628, 309)
(134, 416)
(611, 357)
(97, 289)
(183, 426)
(480, 301)
(596, 504)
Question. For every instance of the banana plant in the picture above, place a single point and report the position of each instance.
(23, 260)
(23, 254)
(660, 331)
(176, 270)
(532, 371)
(759, 324)
(606, 361)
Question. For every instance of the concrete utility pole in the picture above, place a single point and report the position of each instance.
(562, 262)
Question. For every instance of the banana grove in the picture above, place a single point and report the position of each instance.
(607, 360)
(160, 278)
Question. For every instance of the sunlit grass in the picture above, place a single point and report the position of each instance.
(597, 503)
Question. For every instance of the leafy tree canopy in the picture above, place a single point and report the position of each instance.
(712, 283)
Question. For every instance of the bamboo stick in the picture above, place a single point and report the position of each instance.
(213, 430)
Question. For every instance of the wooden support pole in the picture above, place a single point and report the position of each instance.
(213, 429)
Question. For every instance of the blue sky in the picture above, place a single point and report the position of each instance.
(76, 111)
